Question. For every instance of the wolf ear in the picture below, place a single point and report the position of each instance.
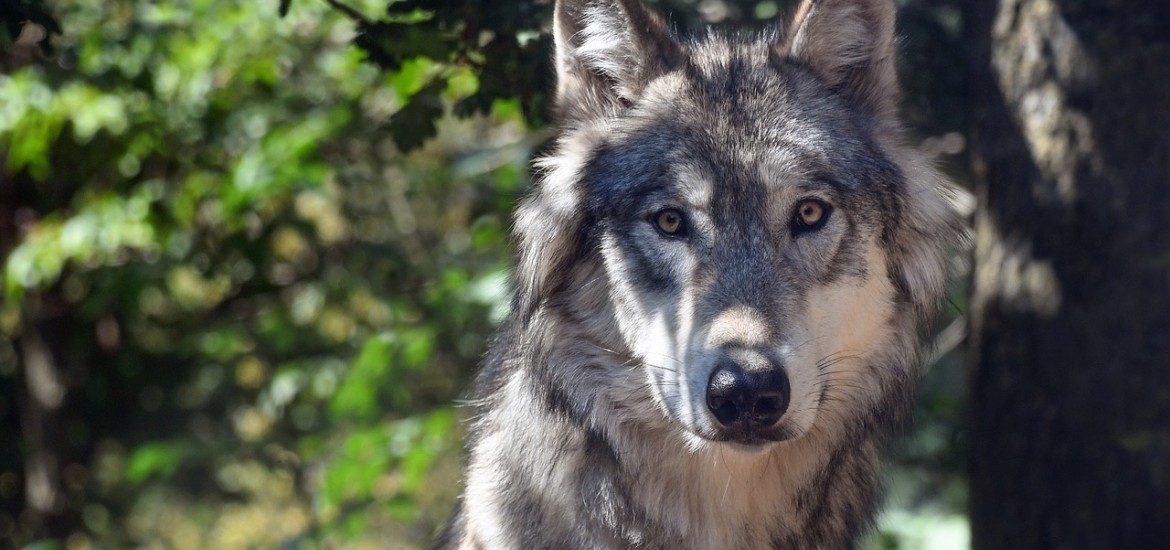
(607, 51)
(850, 45)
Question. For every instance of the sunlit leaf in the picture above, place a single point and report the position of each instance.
(358, 394)
(159, 458)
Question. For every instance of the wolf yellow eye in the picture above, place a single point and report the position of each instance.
(670, 222)
(810, 214)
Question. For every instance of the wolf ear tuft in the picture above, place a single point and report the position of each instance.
(850, 45)
(606, 53)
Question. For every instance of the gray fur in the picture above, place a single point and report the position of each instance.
(594, 428)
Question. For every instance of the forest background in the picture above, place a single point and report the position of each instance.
(252, 252)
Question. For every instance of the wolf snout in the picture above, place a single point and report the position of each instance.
(743, 401)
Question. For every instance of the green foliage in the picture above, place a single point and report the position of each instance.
(498, 42)
(155, 458)
(263, 288)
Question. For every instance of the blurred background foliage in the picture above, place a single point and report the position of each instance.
(252, 251)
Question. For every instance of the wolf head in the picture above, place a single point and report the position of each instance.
(738, 219)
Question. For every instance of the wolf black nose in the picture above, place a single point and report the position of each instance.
(755, 398)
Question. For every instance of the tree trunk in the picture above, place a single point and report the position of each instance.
(45, 411)
(48, 345)
(1070, 362)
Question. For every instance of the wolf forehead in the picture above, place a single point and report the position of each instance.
(745, 120)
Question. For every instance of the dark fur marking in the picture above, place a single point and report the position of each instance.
(604, 488)
(849, 258)
(530, 515)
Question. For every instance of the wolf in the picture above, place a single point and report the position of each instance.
(724, 272)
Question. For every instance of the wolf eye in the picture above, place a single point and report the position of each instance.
(810, 215)
(669, 222)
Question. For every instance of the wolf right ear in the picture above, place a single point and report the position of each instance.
(606, 53)
(850, 45)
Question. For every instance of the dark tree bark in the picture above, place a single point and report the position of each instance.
(44, 413)
(1070, 412)
(49, 345)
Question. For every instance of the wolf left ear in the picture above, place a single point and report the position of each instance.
(607, 51)
(849, 44)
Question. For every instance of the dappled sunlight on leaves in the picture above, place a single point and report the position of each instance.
(280, 294)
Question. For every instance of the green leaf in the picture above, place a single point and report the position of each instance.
(390, 44)
(357, 397)
(415, 123)
(158, 458)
